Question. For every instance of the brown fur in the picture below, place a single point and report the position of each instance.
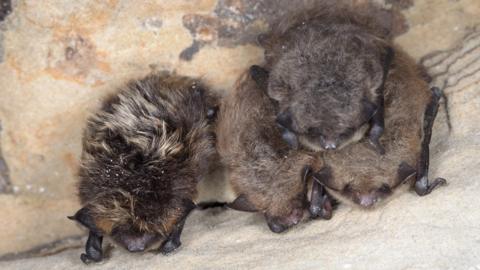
(327, 66)
(357, 170)
(144, 152)
(260, 164)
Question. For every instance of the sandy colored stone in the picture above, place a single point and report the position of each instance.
(437, 24)
(27, 223)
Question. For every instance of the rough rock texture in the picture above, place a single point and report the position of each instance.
(61, 57)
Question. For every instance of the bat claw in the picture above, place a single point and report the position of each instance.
(327, 208)
(87, 259)
(324, 210)
(93, 249)
(320, 202)
(170, 246)
(423, 187)
(173, 240)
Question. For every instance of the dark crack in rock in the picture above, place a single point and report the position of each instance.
(239, 22)
(5, 9)
(203, 29)
(5, 186)
(48, 249)
(452, 70)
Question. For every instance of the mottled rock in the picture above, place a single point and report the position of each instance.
(239, 22)
(4, 176)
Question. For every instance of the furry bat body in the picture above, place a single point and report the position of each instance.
(265, 173)
(327, 67)
(144, 153)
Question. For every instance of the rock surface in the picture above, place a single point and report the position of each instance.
(59, 58)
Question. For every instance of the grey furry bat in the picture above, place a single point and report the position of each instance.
(358, 174)
(327, 68)
(265, 174)
(144, 153)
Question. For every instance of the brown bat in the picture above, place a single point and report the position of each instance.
(327, 67)
(265, 174)
(358, 174)
(144, 153)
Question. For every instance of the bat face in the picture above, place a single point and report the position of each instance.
(331, 135)
(134, 223)
(366, 188)
(366, 196)
(132, 239)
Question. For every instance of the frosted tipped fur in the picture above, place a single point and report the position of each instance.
(144, 152)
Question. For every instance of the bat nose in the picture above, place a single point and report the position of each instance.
(135, 246)
(295, 217)
(138, 244)
(330, 145)
(367, 200)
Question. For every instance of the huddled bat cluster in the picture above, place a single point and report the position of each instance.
(336, 113)
(358, 174)
(335, 76)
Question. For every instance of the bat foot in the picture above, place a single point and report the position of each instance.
(423, 187)
(93, 249)
(324, 210)
(89, 258)
(170, 246)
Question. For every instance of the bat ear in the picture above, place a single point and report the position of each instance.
(405, 172)
(84, 217)
(260, 76)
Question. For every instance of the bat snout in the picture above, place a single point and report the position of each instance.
(367, 200)
(330, 145)
(137, 243)
(136, 246)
